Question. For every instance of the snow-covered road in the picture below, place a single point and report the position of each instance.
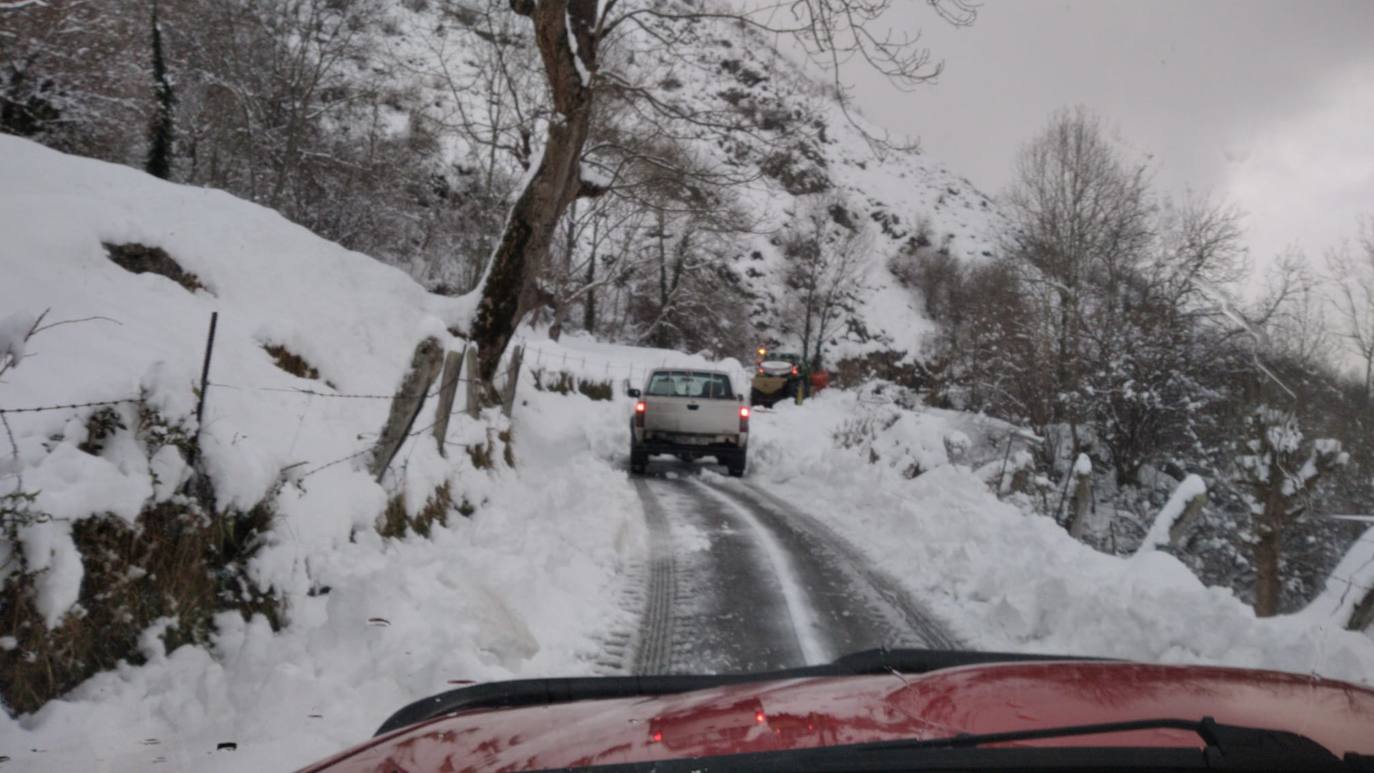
(741, 580)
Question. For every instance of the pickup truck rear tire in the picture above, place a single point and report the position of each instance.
(639, 461)
(735, 463)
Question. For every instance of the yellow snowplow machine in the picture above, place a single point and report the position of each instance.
(776, 377)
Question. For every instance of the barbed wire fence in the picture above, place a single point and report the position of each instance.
(606, 369)
(581, 366)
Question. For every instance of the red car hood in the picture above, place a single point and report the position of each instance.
(826, 711)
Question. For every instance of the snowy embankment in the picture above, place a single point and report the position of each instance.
(525, 586)
(1006, 580)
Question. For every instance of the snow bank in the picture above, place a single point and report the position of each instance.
(1191, 488)
(14, 330)
(1004, 579)
(619, 364)
(1352, 578)
(524, 587)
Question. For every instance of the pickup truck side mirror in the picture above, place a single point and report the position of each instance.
(632, 392)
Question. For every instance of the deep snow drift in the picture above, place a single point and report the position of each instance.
(526, 586)
(1005, 579)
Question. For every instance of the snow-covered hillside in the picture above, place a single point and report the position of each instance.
(525, 585)
(806, 147)
(540, 579)
(1007, 579)
(789, 145)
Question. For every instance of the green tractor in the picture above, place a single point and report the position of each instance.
(777, 376)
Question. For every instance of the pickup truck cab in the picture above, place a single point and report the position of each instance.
(689, 413)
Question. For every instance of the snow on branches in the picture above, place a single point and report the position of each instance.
(1277, 475)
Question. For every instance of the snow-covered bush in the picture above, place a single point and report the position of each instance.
(78, 593)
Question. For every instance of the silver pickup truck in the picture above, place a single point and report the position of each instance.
(689, 413)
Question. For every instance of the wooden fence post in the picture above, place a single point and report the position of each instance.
(204, 386)
(475, 385)
(406, 405)
(512, 376)
(453, 367)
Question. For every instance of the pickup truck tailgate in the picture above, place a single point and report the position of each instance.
(691, 415)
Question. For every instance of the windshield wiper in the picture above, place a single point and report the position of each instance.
(541, 692)
(1228, 747)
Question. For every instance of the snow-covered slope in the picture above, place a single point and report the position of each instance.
(789, 139)
(532, 583)
(1009, 580)
(370, 624)
(803, 147)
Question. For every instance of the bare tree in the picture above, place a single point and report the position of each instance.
(69, 79)
(161, 130)
(1080, 230)
(1300, 328)
(569, 35)
(1279, 474)
(1353, 281)
(268, 75)
(599, 248)
(826, 251)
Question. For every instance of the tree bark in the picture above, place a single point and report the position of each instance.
(1268, 547)
(1267, 574)
(161, 130)
(556, 180)
(1369, 381)
(1082, 503)
(1362, 616)
(589, 304)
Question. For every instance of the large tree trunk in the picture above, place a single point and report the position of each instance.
(161, 130)
(1267, 574)
(1269, 543)
(589, 304)
(1369, 380)
(556, 180)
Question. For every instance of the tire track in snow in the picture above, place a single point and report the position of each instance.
(653, 653)
(742, 580)
(833, 561)
(727, 613)
(811, 639)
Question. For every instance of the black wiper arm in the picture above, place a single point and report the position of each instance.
(1226, 744)
(1228, 747)
(1207, 728)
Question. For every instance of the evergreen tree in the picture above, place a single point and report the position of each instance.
(161, 133)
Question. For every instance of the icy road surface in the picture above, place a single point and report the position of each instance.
(741, 580)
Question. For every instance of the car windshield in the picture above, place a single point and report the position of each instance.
(352, 351)
(680, 383)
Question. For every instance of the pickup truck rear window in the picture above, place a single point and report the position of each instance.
(685, 383)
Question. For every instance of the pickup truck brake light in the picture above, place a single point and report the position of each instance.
(744, 418)
(641, 408)
(794, 370)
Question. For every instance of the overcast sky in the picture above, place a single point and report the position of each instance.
(1267, 104)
